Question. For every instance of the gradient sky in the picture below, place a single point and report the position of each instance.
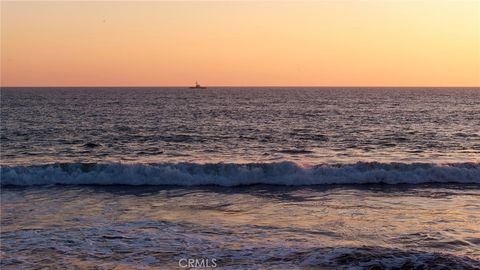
(241, 43)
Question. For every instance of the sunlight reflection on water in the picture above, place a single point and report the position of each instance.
(271, 226)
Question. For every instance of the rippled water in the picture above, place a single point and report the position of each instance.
(326, 125)
(245, 227)
(140, 178)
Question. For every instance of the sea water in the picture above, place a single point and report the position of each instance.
(246, 177)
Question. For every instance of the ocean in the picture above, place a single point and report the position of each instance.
(240, 178)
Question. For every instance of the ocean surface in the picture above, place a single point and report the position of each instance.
(270, 178)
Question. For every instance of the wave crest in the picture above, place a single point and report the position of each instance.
(231, 174)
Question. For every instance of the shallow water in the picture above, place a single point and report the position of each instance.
(271, 227)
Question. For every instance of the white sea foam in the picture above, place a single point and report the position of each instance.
(228, 174)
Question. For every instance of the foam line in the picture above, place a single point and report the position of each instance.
(230, 174)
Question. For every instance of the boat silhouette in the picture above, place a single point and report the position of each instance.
(197, 86)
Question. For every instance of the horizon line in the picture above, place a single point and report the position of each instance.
(238, 86)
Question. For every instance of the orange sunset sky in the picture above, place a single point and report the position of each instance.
(240, 43)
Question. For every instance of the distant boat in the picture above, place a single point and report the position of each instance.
(197, 86)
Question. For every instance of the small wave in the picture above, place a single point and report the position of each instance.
(91, 145)
(295, 151)
(384, 258)
(231, 174)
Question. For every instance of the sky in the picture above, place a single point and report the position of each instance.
(240, 43)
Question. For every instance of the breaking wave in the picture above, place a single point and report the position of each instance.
(231, 174)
